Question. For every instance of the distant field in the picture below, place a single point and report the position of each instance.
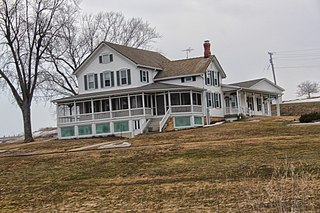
(257, 165)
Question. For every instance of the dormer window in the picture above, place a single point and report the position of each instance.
(105, 58)
(188, 79)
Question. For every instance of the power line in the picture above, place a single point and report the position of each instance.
(306, 66)
(301, 50)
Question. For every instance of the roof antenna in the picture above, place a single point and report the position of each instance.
(188, 50)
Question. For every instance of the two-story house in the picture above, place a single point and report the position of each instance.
(127, 91)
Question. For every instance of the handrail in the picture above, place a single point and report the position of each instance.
(144, 125)
(164, 119)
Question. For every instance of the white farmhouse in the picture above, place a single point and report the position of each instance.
(127, 91)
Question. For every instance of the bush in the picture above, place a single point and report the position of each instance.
(307, 118)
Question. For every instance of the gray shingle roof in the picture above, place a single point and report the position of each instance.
(140, 56)
(184, 67)
(247, 84)
(153, 87)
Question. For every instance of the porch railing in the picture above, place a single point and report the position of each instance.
(164, 119)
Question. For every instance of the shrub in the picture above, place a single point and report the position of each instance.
(307, 118)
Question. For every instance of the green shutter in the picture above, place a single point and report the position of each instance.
(85, 83)
(101, 80)
(129, 76)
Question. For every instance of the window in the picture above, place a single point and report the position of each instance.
(196, 98)
(105, 58)
(91, 81)
(67, 131)
(136, 101)
(208, 77)
(250, 103)
(136, 124)
(123, 77)
(180, 99)
(107, 79)
(209, 99)
(105, 106)
(119, 103)
(147, 100)
(103, 128)
(182, 121)
(217, 100)
(188, 79)
(216, 78)
(213, 100)
(97, 106)
(144, 76)
(197, 120)
(175, 98)
(84, 130)
(121, 126)
(259, 104)
(213, 78)
(185, 99)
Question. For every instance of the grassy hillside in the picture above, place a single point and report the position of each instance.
(246, 166)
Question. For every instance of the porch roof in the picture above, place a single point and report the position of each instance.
(150, 88)
(231, 88)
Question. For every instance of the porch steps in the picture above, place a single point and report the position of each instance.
(154, 125)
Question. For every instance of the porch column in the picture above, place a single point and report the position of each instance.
(92, 110)
(246, 103)
(169, 99)
(238, 102)
(129, 105)
(143, 105)
(255, 105)
(191, 101)
(278, 106)
(110, 108)
(269, 106)
(262, 105)
(75, 111)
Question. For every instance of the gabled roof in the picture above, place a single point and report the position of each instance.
(153, 87)
(139, 56)
(251, 83)
(190, 66)
(247, 84)
(151, 59)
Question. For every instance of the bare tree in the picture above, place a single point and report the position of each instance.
(308, 88)
(27, 28)
(81, 36)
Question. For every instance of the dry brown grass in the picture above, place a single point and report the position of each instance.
(264, 166)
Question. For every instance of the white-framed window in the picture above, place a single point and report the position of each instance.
(123, 77)
(136, 124)
(107, 79)
(188, 79)
(144, 76)
(216, 78)
(91, 81)
(209, 99)
(213, 100)
(213, 78)
(250, 103)
(217, 100)
(105, 58)
(196, 98)
(259, 104)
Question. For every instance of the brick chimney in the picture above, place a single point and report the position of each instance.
(206, 46)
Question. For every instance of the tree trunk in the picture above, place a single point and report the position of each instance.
(26, 114)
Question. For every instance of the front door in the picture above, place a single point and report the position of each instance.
(160, 105)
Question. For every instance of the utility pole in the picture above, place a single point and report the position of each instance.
(272, 67)
(188, 50)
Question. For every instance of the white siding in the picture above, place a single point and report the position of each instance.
(119, 62)
(266, 86)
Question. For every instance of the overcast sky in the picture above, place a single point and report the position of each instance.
(241, 33)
